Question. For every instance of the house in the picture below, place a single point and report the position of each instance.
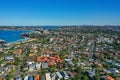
(38, 65)
(70, 74)
(2, 41)
(17, 52)
(30, 62)
(26, 78)
(102, 77)
(1, 50)
(42, 77)
(65, 75)
(53, 76)
(109, 78)
(9, 59)
(36, 77)
(39, 59)
(48, 76)
(32, 55)
(44, 65)
(18, 78)
(24, 68)
(11, 68)
(30, 78)
(90, 73)
(4, 67)
(70, 63)
(50, 59)
(31, 67)
(59, 75)
(112, 71)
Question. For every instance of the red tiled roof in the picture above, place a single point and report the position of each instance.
(39, 59)
(51, 63)
(17, 51)
(36, 77)
(109, 78)
(45, 58)
(74, 73)
(52, 60)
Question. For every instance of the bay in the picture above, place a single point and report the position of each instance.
(12, 35)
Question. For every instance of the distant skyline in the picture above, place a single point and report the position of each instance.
(59, 12)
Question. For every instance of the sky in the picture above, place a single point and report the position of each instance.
(59, 12)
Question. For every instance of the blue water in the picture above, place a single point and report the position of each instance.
(12, 35)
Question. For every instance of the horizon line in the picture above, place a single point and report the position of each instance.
(51, 25)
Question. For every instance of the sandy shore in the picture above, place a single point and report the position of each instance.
(29, 40)
(23, 41)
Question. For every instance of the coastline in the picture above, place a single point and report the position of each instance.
(18, 41)
(8, 40)
(22, 41)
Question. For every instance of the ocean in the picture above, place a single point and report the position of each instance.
(12, 35)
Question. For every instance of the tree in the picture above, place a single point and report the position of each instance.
(86, 77)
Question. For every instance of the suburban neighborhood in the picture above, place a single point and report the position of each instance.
(66, 53)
